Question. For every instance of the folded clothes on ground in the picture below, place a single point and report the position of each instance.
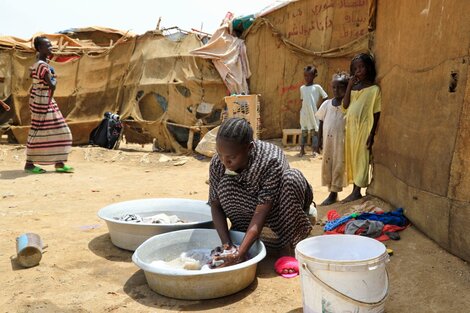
(365, 228)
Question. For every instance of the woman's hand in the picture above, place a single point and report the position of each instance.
(228, 254)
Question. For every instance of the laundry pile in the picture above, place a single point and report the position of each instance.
(161, 218)
(379, 225)
(199, 259)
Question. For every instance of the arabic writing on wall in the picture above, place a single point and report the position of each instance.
(301, 22)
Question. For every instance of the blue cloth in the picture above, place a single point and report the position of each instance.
(330, 225)
(392, 218)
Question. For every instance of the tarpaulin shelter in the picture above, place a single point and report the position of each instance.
(294, 34)
(228, 53)
(150, 80)
(422, 149)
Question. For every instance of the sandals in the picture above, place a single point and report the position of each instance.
(35, 170)
(64, 169)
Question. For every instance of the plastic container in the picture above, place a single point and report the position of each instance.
(343, 273)
(129, 236)
(193, 284)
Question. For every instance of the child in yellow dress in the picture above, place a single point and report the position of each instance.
(363, 104)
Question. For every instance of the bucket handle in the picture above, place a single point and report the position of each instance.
(342, 295)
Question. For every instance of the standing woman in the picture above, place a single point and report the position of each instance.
(50, 139)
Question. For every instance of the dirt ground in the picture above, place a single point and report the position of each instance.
(83, 272)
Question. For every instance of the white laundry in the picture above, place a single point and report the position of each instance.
(196, 259)
(160, 218)
(163, 218)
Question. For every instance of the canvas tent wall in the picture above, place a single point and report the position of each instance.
(148, 79)
(325, 33)
(422, 151)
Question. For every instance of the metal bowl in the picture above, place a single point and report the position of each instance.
(193, 284)
(129, 236)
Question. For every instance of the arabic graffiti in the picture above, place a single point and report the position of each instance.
(353, 32)
(305, 30)
(320, 18)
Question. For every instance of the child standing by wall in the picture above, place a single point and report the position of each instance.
(331, 139)
(312, 96)
(363, 103)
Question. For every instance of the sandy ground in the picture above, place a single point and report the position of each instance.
(83, 272)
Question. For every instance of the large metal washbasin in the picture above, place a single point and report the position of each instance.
(194, 284)
(129, 236)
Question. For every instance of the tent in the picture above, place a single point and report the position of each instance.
(151, 80)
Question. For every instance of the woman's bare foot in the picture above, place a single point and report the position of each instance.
(28, 166)
(332, 198)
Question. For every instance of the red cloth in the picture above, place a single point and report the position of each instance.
(332, 215)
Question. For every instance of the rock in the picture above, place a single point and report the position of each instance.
(179, 163)
(164, 158)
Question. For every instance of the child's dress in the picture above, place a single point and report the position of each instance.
(310, 96)
(359, 121)
(333, 172)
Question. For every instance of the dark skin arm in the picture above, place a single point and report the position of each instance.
(220, 222)
(255, 227)
(51, 83)
(370, 140)
(320, 101)
(320, 136)
(251, 235)
(347, 96)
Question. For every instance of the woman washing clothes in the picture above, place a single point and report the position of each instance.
(253, 186)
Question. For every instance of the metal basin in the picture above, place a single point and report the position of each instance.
(129, 236)
(193, 284)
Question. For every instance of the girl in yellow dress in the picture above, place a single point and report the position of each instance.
(362, 102)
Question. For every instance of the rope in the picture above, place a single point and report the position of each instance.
(352, 47)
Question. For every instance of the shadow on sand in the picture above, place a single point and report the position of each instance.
(103, 247)
(136, 287)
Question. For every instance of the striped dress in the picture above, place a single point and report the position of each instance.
(50, 139)
(267, 178)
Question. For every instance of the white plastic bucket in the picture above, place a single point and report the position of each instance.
(343, 274)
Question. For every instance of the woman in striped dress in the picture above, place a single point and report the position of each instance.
(252, 185)
(49, 140)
